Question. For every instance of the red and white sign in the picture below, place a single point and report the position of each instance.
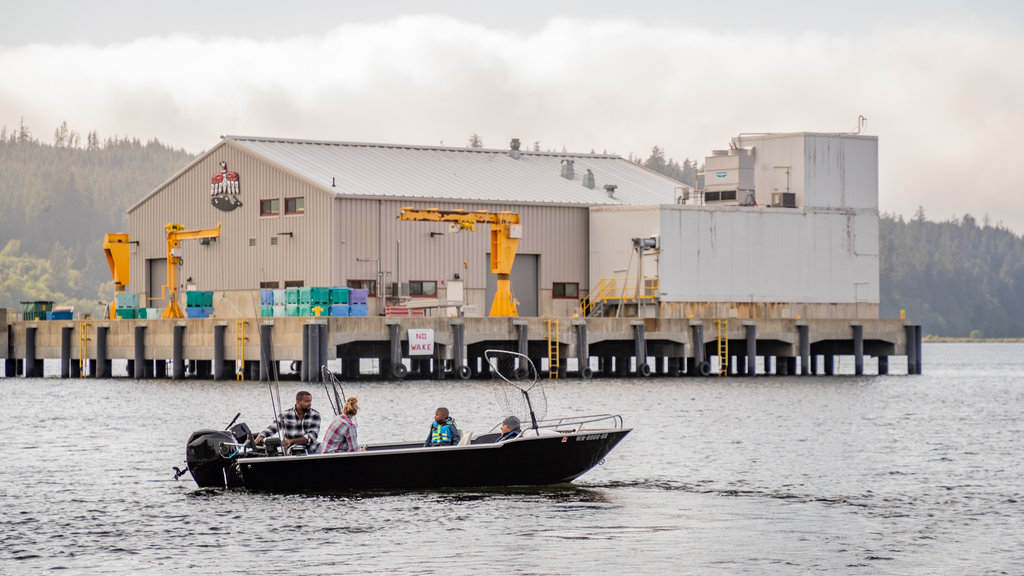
(421, 341)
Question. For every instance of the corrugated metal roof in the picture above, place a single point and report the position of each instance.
(392, 170)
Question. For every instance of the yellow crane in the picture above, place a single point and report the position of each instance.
(506, 231)
(117, 249)
(175, 234)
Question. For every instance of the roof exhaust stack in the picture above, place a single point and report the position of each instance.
(588, 179)
(514, 152)
(567, 170)
(610, 189)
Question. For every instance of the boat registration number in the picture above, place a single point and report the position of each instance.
(591, 437)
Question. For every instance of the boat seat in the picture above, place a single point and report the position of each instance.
(467, 437)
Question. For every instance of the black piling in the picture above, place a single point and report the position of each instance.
(751, 330)
(583, 352)
(883, 365)
(140, 353)
(858, 349)
(640, 349)
(304, 363)
(220, 368)
(31, 364)
(699, 365)
(103, 367)
(397, 368)
(65, 351)
(178, 353)
(805, 349)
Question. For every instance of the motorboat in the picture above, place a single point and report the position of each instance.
(548, 451)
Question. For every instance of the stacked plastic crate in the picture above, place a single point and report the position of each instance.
(126, 305)
(357, 302)
(339, 302)
(266, 303)
(198, 304)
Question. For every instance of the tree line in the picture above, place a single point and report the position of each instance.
(957, 278)
(60, 198)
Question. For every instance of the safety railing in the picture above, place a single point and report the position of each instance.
(617, 291)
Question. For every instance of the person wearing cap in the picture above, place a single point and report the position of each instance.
(510, 428)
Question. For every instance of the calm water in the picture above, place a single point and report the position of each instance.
(843, 475)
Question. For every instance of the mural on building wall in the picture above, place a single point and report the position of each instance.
(225, 189)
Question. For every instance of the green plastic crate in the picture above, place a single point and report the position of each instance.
(266, 311)
(126, 313)
(291, 309)
(36, 310)
(318, 295)
(291, 296)
(339, 295)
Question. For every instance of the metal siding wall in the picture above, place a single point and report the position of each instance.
(767, 256)
(371, 229)
(230, 263)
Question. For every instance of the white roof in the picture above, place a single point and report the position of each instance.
(402, 171)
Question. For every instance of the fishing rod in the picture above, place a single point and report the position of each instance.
(279, 407)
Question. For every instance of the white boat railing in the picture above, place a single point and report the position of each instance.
(575, 424)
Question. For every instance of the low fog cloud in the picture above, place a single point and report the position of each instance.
(944, 101)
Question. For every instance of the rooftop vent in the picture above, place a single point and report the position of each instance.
(610, 189)
(567, 170)
(588, 179)
(514, 152)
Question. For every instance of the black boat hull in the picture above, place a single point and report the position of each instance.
(528, 461)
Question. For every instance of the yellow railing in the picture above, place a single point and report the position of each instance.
(621, 291)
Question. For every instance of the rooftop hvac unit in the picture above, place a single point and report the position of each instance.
(783, 200)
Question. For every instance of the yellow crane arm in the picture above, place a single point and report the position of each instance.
(506, 231)
(175, 234)
(117, 249)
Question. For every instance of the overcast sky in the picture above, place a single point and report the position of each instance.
(941, 83)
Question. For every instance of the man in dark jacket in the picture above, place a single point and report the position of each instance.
(442, 430)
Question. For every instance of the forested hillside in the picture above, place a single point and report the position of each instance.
(956, 278)
(59, 198)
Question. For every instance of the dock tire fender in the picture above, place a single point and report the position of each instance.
(463, 372)
(400, 370)
(295, 366)
(704, 368)
(520, 373)
(645, 369)
(586, 373)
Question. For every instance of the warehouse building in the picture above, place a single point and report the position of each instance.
(311, 213)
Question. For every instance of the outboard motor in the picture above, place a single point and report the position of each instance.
(208, 460)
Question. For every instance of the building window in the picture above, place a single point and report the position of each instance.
(369, 285)
(294, 283)
(565, 290)
(295, 205)
(270, 207)
(270, 285)
(423, 288)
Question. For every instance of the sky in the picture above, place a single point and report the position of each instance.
(941, 83)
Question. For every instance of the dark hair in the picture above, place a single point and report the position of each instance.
(302, 394)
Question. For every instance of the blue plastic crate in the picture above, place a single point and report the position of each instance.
(339, 309)
(358, 310)
(198, 312)
(266, 297)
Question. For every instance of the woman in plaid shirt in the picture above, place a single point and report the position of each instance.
(341, 434)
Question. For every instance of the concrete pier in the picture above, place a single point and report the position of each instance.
(616, 347)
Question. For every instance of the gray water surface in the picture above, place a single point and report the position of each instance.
(840, 475)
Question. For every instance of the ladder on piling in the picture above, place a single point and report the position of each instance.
(723, 347)
(552, 347)
(83, 348)
(240, 349)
